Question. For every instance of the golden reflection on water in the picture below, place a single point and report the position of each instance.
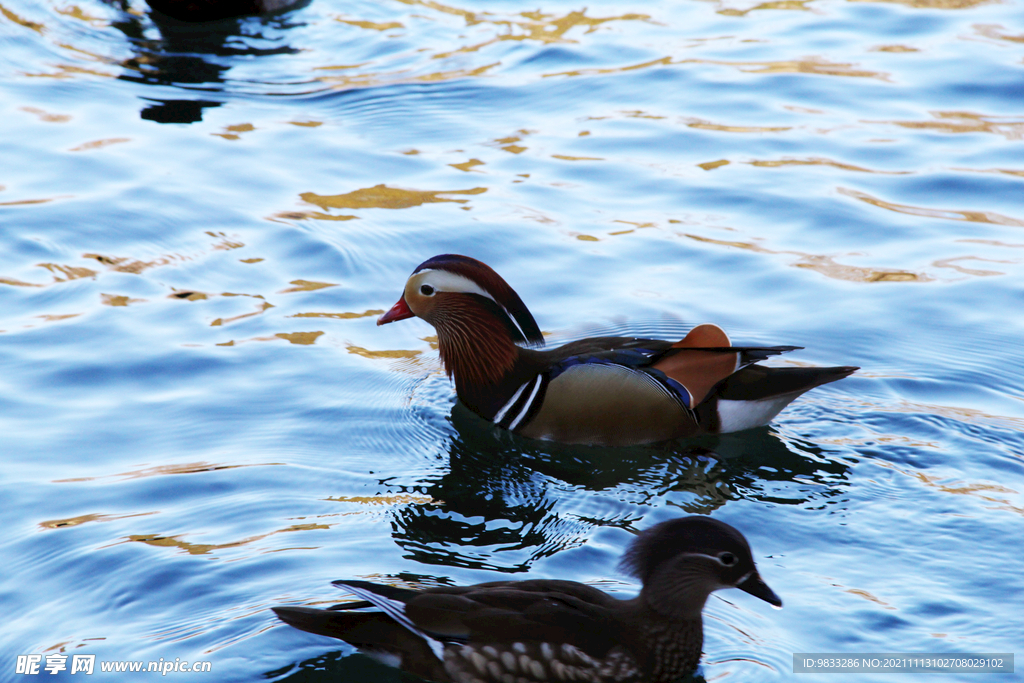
(76, 12)
(818, 161)
(509, 143)
(341, 316)
(306, 286)
(992, 31)
(69, 71)
(14, 18)
(701, 124)
(17, 283)
(125, 265)
(530, 25)
(467, 166)
(1011, 127)
(84, 519)
(566, 157)
(97, 144)
(860, 592)
(382, 353)
(958, 413)
(935, 4)
(776, 4)
(232, 132)
(397, 499)
(949, 214)
(54, 318)
(988, 492)
(46, 116)
(712, 165)
(187, 295)
(826, 265)
(384, 197)
(158, 540)
(24, 202)
(372, 25)
(894, 48)
(162, 470)
(69, 272)
(370, 80)
(118, 300)
(950, 263)
(301, 338)
(809, 65)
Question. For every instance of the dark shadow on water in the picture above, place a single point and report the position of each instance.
(338, 668)
(506, 501)
(195, 57)
(176, 111)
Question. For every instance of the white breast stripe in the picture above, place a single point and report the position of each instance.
(664, 389)
(504, 409)
(537, 381)
(395, 610)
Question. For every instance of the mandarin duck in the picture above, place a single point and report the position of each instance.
(553, 630)
(611, 391)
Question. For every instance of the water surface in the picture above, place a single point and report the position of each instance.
(200, 225)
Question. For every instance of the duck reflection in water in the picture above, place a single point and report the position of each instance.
(198, 56)
(506, 501)
(212, 10)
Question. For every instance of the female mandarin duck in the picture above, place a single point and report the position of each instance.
(552, 630)
(612, 391)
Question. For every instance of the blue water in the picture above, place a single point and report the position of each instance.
(200, 420)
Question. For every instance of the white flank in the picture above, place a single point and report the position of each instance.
(735, 416)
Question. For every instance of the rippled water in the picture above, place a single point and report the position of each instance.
(201, 420)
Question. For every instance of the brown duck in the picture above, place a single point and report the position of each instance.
(612, 391)
(550, 630)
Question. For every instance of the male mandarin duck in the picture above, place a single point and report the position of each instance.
(612, 391)
(553, 630)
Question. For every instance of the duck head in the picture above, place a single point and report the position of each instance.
(682, 561)
(479, 318)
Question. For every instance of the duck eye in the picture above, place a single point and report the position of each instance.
(727, 559)
(426, 290)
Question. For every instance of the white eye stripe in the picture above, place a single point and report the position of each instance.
(446, 281)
